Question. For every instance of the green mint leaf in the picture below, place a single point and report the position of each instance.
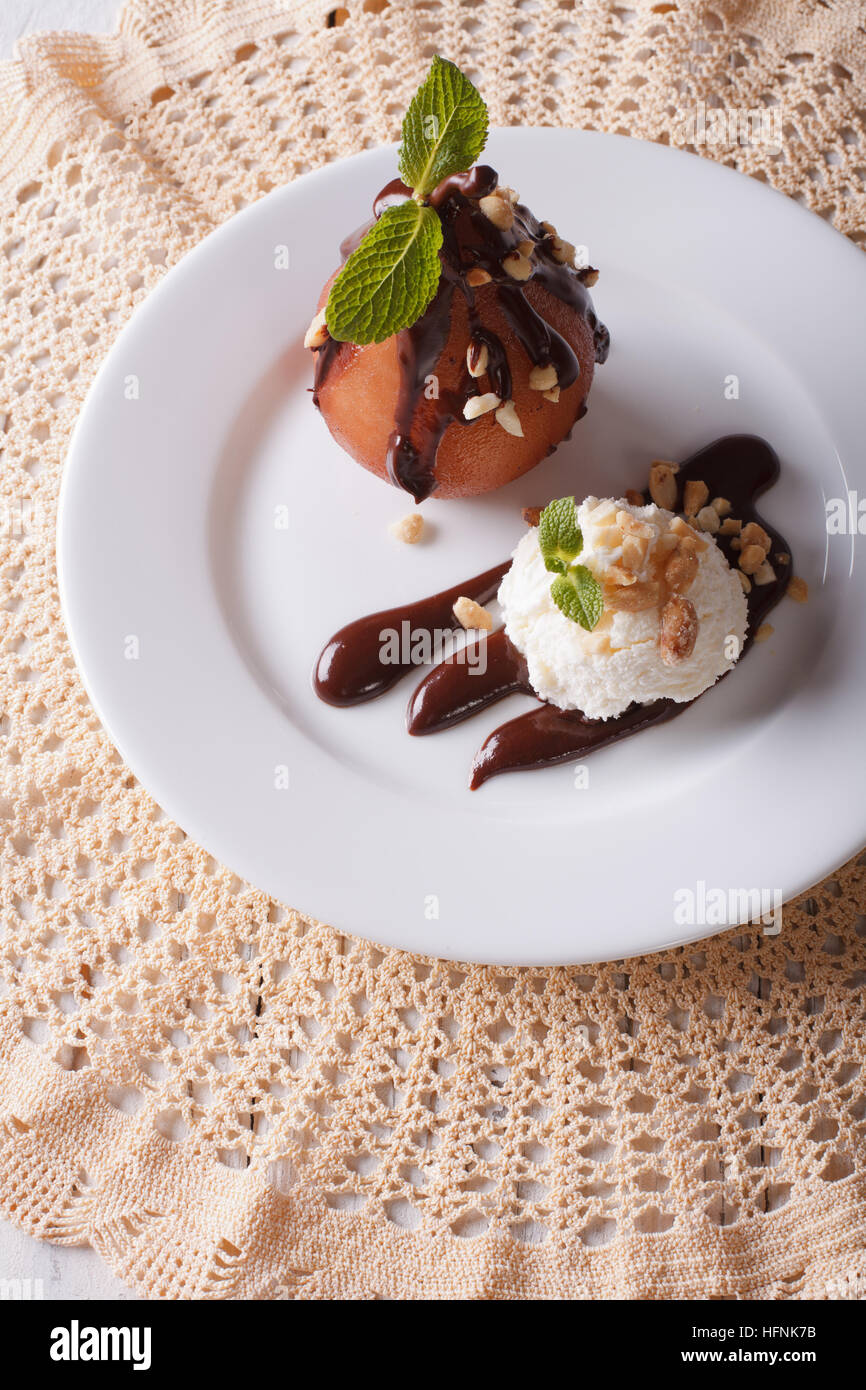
(559, 535)
(578, 595)
(444, 130)
(387, 283)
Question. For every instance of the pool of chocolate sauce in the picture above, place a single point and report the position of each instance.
(470, 241)
(349, 670)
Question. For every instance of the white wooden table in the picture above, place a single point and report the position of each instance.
(53, 1271)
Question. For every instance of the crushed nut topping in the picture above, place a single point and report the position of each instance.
(751, 558)
(498, 210)
(480, 405)
(409, 528)
(532, 515)
(477, 358)
(798, 590)
(552, 394)
(694, 496)
(543, 378)
(517, 266)
(478, 276)
(317, 334)
(678, 630)
(663, 484)
(471, 615)
(708, 520)
(507, 417)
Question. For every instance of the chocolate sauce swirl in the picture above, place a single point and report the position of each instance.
(739, 467)
(470, 241)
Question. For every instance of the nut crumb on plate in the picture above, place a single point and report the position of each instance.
(471, 615)
(409, 528)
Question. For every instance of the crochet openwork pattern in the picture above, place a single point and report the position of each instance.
(229, 1100)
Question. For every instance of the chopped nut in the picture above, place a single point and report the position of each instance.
(552, 394)
(745, 581)
(634, 525)
(607, 537)
(517, 266)
(708, 520)
(619, 575)
(764, 574)
(663, 484)
(543, 378)
(751, 558)
(681, 569)
(549, 228)
(722, 506)
(736, 543)
(477, 358)
(753, 534)
(409, 528)
(525, 248)
(634, 498)
(317, 334)
(563, 251)
(471, 615)
(477, 276)
(498, 210)
(480, 405)
(507, 417)
(511, 194)
(678, 630)
(634, 549)
(695, 495)
(667, 541)
(782, 557)
(798, 590)
(633, 598)
(682, 528)
(532, 515)
(730, 526)
(589, 277)
(764, 631)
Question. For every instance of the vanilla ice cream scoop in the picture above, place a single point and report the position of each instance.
(674, 616)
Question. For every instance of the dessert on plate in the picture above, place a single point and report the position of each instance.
(456, 347)
(616, 615)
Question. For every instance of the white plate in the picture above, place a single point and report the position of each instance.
(167, 535)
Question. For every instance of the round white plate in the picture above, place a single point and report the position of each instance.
(196, 613)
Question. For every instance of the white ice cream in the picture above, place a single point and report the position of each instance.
(604, 671)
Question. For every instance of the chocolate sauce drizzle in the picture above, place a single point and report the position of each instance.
(739, 467)
(470, 241)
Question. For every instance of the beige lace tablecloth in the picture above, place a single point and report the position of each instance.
(229, 1100)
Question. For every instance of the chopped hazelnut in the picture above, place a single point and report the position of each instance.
(477, 358)
(663, 484)
(764, 574)
(478, 276)
(751, 558)
(798, 590)
(745, 581)
(695, 495)
(552, 394)
(708, 520)
(517, 266)
(730, 526)
(543, 378)
(507, 417)
(471, 615)
(753, 534)
(317, 334)
(722, 506)
(480, 405)
(409, 528)
(525, 248)
(532, 515)
(678, 630)
(589, 277)
(498, 210)
(563, 251)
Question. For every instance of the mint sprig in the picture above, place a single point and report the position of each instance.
(389, 280)
(387, 283)
(575, 590)
(577, 594)
(559, 535)
(444, 130)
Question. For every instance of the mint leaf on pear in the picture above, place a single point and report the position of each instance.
(444, 130)
(578, 595)
(559, 536)
(388, 281)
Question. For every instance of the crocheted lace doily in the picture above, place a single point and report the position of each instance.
(227, 1099)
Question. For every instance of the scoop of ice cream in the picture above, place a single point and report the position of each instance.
(674, 616)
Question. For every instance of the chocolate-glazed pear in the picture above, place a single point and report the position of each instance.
(492, 376)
